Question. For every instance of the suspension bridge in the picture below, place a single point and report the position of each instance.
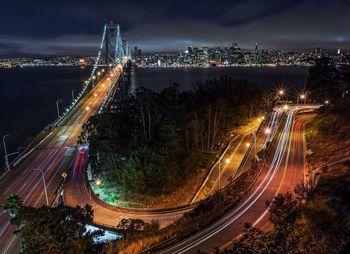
(38, 173)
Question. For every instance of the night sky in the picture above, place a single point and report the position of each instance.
(74, 27)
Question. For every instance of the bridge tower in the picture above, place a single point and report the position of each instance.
(125, 46)
(113, 44)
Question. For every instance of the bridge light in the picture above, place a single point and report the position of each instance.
(286, 107)
(94, 77)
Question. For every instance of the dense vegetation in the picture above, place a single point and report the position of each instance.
(327, 81)
(52, 229)
(156, 140)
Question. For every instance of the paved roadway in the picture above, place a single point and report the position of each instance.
(77, 192)
(53, 155)
(282, 172)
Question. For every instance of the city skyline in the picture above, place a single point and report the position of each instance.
(72, 28)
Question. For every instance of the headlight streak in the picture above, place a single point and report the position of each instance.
(278, 157)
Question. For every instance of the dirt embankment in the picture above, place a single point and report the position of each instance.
(326, 146)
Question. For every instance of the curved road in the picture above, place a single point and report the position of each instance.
(281, 173)
(77, 192)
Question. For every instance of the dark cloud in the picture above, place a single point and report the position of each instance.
(72, 27)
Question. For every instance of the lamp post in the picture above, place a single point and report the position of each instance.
(268, 132)
(5, 150)
(93, 79)
(227, 161)
(280, 94)
(249, 144)
(58, 108)
(45, 189)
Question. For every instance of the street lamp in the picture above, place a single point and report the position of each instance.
(73, 95)
(248, 144)
(98, 182)
(45, 189)
(326, 102)
(281, 92)
(267, 131)
(58, 108)
(303, 97)
(260, 119)
(5, 150)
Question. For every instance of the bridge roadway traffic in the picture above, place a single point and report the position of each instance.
(281, 173)
(53, 155)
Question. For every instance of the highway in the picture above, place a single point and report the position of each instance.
(53, 155)
(281, 173)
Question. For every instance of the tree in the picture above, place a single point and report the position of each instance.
(56, 229)
(13, 204)
(284, 209)
(323, 81)
(155, 141)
